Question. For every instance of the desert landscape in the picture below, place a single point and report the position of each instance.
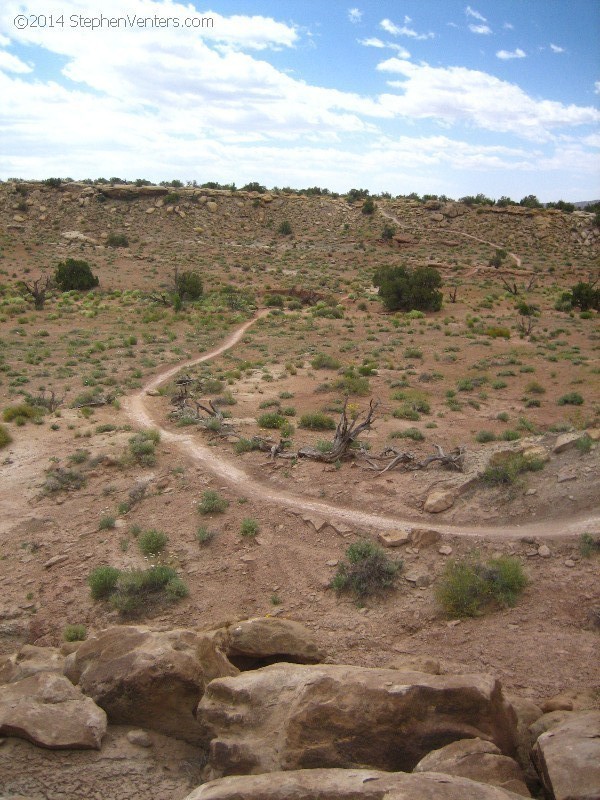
(234, 413)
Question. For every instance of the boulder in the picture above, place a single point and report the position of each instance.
(527, 713)
(148, 678)
(254, 643)
(415, 664)
(393, 538)
(28, 661)
(478, 760)
(290, 716)
(566, 441)
(347, 784)
(439, 500)
(567, 757)
(424, 537)
(49, 711)
(127, 192)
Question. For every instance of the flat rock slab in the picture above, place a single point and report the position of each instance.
(49, 711)
(29, 660)
(567, 757)
(268, 638)
(289, 716)
(347, 784)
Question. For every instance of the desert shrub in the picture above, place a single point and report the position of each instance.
(249, 527)
(172, 198)
(274, 301)
(570, 399)
(534, 387)
(368, 206)
(509, 469)
(406, 412)
(75, 274)
(497, 332)
(413, 352)
(106, 522)
(5, 437)
(176, 589)
(136, 590)
(317, 421)
(271, 420)
(324, 361)
(74, 633)
(589, 545)
(141, 447)
(585, 296)
(60, 479)
(285, 229)
(403, 289)
(212, 503)
(204, 535)
(467, 586)
(366, 571)
(246, 446)
(20, 413)
(353, 385)
(102, 581)
(584, 444)
(152, 542)
(188, 285)
(485, 436)
(117, 240)
(410, 433)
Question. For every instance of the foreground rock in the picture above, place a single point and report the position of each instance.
(150, 679)
(347, 784)
(49, 711)
(286, 717)
(567, 757)
(478, 760)
(28, 661)
(119, 771)
(259, 642)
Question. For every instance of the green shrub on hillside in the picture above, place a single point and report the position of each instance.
(74, 274)
(468, 586)
(366, 571)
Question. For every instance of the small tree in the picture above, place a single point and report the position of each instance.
(75, 274)
(368, 207)
(188, 285)
(402, 289)
(585, 296)
(285, 229)
(37, 290)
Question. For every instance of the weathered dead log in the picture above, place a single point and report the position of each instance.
(346, 434)
(453, 460)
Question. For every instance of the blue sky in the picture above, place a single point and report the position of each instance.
(434, 96)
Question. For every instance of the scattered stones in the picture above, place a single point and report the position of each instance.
(139, 737)
(55, 560)
(439, 500)
(445, 550)
(418, 579)
(49, 711)
(544, 551)
(566, 474)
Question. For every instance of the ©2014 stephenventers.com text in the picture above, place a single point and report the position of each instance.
(102, 22)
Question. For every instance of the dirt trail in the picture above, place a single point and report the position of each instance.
(136, 407)
(514, 256)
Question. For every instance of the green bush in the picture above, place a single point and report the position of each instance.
(570, 399)
(117, 240)
(403, 289)
(246, 446)
(274, 301)
(285, 229)
(485, 436)
(107, 522)
(271, 420)
(467, 586)
(324, 361)
(74, 633)
(366, 571)
(102, 581)
(5, 437)
(317, 421)
(152, 542)
(585, 296)
(353, 385)
(212, 503)
(188, 285)
(141, 447)
(509, 469)
(589, 545)
(409, 433)
(204, 535)
(497, 332)
(74, 274)
(249, 527)
(20, 413)
(136, 590)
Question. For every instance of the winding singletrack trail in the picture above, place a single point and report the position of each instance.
(136, 407)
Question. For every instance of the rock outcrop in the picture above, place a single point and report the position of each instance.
(150, 679)
(49, 711)
(28, 661)
(286, 717)
(567, 757)
(348, 784)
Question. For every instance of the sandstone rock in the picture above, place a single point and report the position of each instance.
(418, 579)
(347, 784)
(212, 206)
(415, 663)
(139, 737)
(566, 441)
(148, 678)
(262, 641)
(127, 192)
(439, 500)
(594, 434)
(437, 217)
(424, 537)
(567, 758)
(527, 713)
(478, 760)
(547, 721)
(77, 236)
(544, 551)
(445, 550)
(557, 703)
(537, 453)
(28, 661)
(290, 717)
(49, 711)
(393, 538)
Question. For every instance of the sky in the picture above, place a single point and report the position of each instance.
(430, 96)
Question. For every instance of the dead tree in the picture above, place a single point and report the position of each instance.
(397, 458)
(514, 289)
(37, 289)
(346, 434)
(452, 294)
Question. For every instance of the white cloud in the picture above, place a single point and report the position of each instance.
(556, 49)
(372, 42)
(354, 15)
(390, 27)
(508, 26)
(11, 63)
(597, 87)
(459, 95)
(508, 54)
(483, 30)
(470, 12)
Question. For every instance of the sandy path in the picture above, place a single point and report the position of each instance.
(136, 406)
